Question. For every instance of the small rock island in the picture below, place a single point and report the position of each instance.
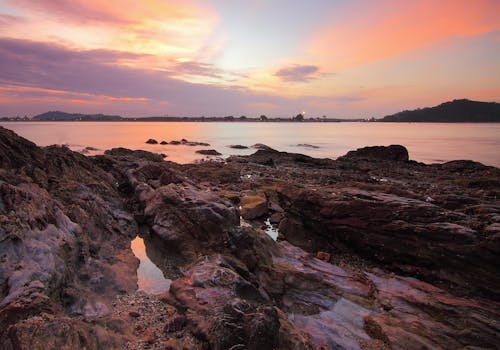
(374, 251)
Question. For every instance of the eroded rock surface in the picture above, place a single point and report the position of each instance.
(407, 251)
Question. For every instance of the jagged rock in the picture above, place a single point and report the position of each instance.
(389, 153)
(66, 222)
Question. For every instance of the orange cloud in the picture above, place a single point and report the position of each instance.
(168, 28)
(386, 28)
(13, 92)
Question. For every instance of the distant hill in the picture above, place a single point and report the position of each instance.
(63, 116)
(456, 111)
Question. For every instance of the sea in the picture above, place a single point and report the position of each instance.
(426, 142)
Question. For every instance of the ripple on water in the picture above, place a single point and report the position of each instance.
(150, 277)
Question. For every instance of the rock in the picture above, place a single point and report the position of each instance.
(176, 325)
(261, 146)
(253, 206)
(127, 154)
(378, 226)
(152, 141)
(208, 152)
(323, 256)
(68, 276)
(238, 147)
(276, 218)
(172, 344)
(148, 337)
(306, 145)
(389, 153)
(134, 314)
(164, 143)
(175, 142)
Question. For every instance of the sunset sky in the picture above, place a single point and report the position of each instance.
(232, 57)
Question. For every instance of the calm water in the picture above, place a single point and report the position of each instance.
(429, 143)
(150, 278)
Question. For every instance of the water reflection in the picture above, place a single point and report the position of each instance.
(150, 277)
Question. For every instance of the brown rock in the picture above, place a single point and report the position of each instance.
(276, 218)
(172, 344)
(148, 337)
(134, 314)
(253, 206)
(323, 256)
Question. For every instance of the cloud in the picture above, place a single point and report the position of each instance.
(371, 31)
(49, 76)
(297, 73)
(171, 29)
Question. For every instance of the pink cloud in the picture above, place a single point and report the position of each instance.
(375, 30)
(297, 73)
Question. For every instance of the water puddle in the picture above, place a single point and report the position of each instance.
(150, 277)
(270, 230)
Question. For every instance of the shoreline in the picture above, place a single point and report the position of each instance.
(374, 251)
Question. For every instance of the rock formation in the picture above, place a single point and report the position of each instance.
(374, 252)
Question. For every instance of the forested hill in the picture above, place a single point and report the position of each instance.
(63, 116)
(451, 112)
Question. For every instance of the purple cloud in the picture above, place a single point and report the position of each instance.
(75, 11)
(297, 73)
(94, 76)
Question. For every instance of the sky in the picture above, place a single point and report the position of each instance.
(339, 58)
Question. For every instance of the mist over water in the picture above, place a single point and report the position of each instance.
(426, 142)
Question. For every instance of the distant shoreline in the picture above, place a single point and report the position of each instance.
(195, 120)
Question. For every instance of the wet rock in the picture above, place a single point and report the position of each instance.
(208, 152)
(238, 147)
(378, 226)
(164, 143)
(67, 276)
(152, 141)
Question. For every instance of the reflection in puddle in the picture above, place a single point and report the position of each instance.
(150, 277)
(270, 230)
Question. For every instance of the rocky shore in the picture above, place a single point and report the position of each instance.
(374, 251)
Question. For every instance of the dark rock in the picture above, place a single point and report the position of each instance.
(66, 222)
(323, 256)
(238, 147)
(134, 314)
(262, 147)
(389, 153)
(407, 235)
(306, 145)
(152, 141)
(208, 152)
(164, 143)
(131, 155)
